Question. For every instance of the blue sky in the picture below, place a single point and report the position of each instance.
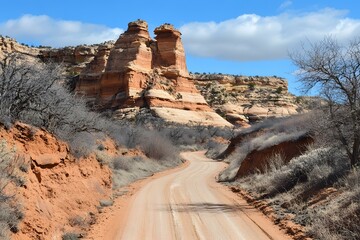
(248, 37)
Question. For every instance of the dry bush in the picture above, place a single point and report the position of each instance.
(77, 221)
(10, 213)
(106, 203)
(214, 148)
(275, 163)
(339, 219)
(133, 169)
(71, 236)
(82, 144)
(158, 147)
(301, 179)
(313, 170)
(124, 163)
(23, 85)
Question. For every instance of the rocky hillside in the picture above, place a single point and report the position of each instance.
(138, 72)
(9, 45)
(141, 72)
(243, 99)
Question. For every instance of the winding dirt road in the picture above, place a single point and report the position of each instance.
(189, 204)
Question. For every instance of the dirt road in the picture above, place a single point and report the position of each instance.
(189, 204)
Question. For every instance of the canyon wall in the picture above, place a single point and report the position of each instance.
(243, 99)
(138, 72)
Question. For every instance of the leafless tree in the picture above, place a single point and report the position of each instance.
(334, 69)
(35, 92)
(23, 85)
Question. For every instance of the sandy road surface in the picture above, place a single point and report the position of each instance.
(189, 204)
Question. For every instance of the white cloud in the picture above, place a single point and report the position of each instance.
(253, 37)
(285, 4)
(57, 33)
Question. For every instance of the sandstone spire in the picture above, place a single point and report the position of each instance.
(142, 72)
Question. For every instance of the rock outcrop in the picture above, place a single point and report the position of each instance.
(141, 72)
(9, 45)
(242, 99)
(137, 71)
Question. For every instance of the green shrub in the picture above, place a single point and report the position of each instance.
(251, 86)
(279, 90)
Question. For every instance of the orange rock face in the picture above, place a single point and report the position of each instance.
(170, 50)
(58, 187)
(136, 63)
(141, 72)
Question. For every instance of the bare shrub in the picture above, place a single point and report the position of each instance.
(77, 221)
(4, 230)
(23, 84)
(138, 168)
(103, 157)
(124, 163)
(71, 236)
(34, 92)
(214, 148)
(158, 147)
(339, 219)
(106, 203)
(10, 213)
(82, 144)
(276, 162)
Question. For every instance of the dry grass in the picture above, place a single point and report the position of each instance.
(296, 183)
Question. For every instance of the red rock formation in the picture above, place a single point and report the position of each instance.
(142, 72)
(89, 82)
(170, 50)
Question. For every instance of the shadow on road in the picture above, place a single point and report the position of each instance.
(206, 207)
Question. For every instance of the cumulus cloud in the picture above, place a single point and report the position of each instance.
(45, 30)
(253, 37)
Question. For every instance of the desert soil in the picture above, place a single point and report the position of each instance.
(186, 203)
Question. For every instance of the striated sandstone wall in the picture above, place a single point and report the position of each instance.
(138, 71)
(243, 99)
(9, 45)
(141, 72)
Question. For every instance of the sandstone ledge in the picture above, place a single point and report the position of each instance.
(187, 116)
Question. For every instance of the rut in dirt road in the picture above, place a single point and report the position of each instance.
(189, 204)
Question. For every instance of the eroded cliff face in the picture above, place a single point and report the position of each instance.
(56, 188)
(243, 99)
(9, 45)
(139, 71)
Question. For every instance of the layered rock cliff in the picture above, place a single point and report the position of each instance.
(243, 99)
(139, 71)
(9, 45)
